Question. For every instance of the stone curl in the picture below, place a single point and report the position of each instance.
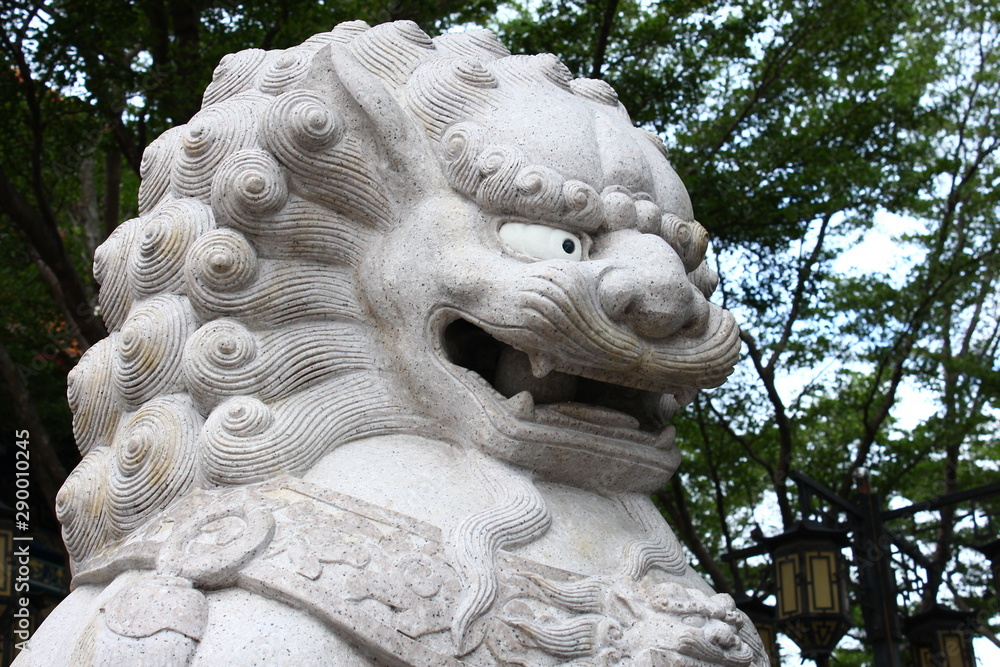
(238, 349)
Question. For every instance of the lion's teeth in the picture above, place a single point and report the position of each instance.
(521, 405)
(668, 407)
(665, 441)
(541, 365)
(685, 396)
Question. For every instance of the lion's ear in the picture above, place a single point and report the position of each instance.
(373, 110)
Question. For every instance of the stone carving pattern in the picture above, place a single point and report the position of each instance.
(399, 574)
(244, 349)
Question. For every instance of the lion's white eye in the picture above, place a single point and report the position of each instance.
(542, 241)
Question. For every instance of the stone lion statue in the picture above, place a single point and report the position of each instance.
(395, 343)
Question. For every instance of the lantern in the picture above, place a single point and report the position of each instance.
(811, 580)
(941, 637)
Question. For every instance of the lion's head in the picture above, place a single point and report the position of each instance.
(378, 232)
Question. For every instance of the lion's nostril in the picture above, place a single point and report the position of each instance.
(618, 289)
(654, 306)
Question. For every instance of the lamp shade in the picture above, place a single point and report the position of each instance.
(941, 637)
(811, 580)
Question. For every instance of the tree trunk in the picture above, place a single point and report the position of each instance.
(601, 46)
(43, 236)
(112, 190)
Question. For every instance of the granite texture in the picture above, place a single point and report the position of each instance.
(395, 343)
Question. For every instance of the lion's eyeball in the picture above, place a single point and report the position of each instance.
(541, 241)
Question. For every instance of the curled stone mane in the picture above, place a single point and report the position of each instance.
(239, 348)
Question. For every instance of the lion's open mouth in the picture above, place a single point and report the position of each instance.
(536, 392)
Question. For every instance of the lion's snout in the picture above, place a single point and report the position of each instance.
(641, 283)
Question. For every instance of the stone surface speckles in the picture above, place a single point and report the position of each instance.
(395, 343)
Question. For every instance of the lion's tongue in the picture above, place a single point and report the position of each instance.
(596, 414)
(514, 375)
(556, 391)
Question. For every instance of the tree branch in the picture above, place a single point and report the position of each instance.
(601, 46)
(783, 424)
(43, 236)
(799, 293)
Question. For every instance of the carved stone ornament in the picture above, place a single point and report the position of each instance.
(395, 343)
